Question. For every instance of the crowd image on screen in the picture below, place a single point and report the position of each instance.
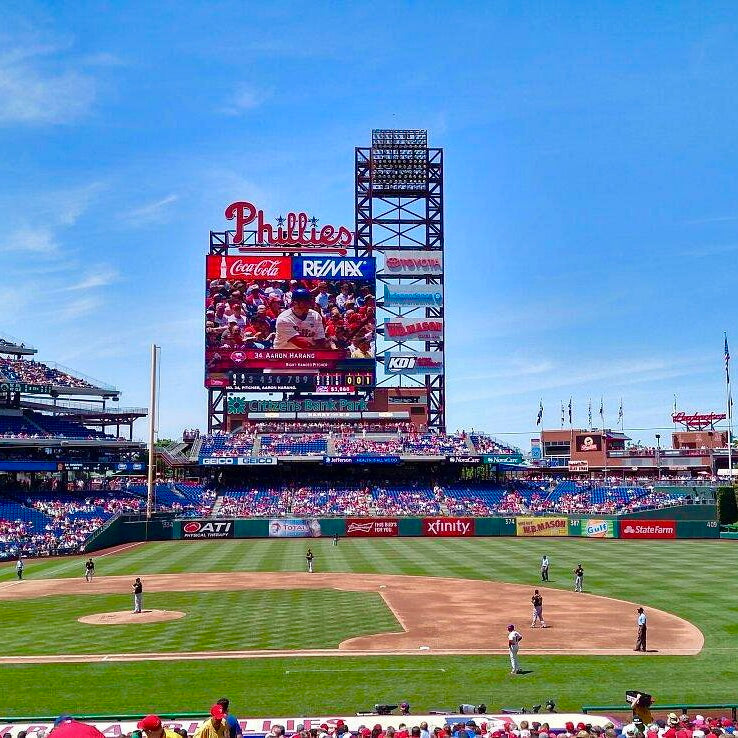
(243, 314)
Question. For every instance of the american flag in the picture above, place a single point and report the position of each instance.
(540, 413)
(727, 360)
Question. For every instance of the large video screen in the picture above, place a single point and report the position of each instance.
(304, 323)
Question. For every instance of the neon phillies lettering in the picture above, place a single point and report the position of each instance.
(295, 232)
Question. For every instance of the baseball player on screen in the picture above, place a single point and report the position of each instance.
(300, 327)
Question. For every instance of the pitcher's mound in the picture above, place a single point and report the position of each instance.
(126, 617)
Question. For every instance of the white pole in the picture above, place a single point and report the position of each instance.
(152, 431)
(730, 411)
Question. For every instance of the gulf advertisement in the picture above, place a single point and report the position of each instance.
(408, 263)
(294, 528)
(597, 528)
(415, 295)
(199, 529)
(284, 321)
(545, 526)
(413, 362)
(447, 527)
(371, 527)
(407, 329)
(648, 529)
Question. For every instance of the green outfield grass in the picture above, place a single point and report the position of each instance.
(693, 579)
(224, 621)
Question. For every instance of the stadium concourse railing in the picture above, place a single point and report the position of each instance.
(685, 707)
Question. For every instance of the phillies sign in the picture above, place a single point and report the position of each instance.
(448, 527)
(248, 267)
(406, 329)
(294, 235)
(325, 267)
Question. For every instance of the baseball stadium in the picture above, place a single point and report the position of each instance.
(326, 552)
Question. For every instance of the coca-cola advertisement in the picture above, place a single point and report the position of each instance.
(269, 316)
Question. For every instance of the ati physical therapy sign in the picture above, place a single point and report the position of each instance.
(295, 232)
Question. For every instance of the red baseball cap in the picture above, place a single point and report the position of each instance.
(581, 726)
(150, 722)
(569, 726)
(217, 712)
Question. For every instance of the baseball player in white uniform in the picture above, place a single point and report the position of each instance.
(513, 643)
(300, 327)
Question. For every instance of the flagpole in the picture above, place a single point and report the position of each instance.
(729, 401)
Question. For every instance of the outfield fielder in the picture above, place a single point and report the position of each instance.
(544, 568)
(578, 578)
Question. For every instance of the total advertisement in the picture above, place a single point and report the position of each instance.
(548, 526)
(207, 529)
(290, 322)
(415, 295)
(647, 528)
(597, 528)
(448, 527)
(371, 527)
(413, 362)
(407, 329)
(408, 263)
(294, 528)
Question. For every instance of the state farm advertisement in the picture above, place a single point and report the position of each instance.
(407, 329)
(207, 529)
(529, 526)
(448, 527)
(371, 527)
(648, 529)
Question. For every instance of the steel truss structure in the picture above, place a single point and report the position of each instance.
(399, 205)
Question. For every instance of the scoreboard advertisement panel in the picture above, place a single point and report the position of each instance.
(294, 323)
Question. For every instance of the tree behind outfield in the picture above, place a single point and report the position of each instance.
(727, 506)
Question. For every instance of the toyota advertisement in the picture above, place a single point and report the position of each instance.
(409, 263)
(648, 529)
(207, 529)
(371, 527)
(289, 322)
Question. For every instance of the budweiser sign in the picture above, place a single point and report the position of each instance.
(697, 420)
(249, 267)
(296, 233)
(405, 329)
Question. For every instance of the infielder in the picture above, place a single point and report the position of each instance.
(537, 601)
(335, 539)
(578, 578)
(300, 327)
(19, 568)
(309, 561)
(137, 596)
(89, 569)
(641, 639)
(544, 568)
(513, 643)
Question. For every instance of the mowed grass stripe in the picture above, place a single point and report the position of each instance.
(221, 621)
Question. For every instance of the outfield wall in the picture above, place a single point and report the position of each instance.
(445, 527)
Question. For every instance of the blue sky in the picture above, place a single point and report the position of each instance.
(591, 189)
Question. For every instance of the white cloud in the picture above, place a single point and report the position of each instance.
(78, 308)
(244, 100)
(151, 212)
(31, 94)
(29, 240)
(100, 278)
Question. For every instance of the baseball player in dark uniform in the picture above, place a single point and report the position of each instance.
(137, 596)
(537, 601)
(309, 561)
(578, 578)
(89, 569)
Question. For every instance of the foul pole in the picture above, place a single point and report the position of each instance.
(152, 431)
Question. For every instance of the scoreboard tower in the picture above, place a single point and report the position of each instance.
(399, 212)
